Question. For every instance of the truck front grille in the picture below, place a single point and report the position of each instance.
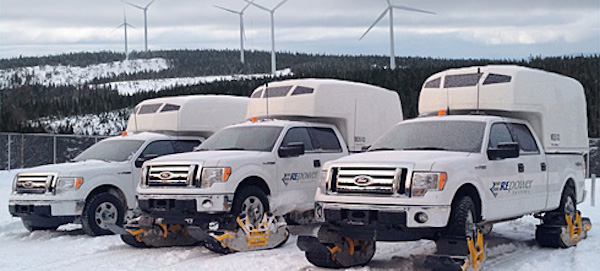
(377, 180)
(34, 183)
(170, 175)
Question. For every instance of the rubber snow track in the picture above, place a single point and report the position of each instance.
(511, 246)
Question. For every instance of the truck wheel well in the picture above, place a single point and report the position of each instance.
(108, 189)
(471, 191)
(571, 184)
(254, 181)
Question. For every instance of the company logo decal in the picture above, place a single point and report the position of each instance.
(511, 187)
(165, 175)
(28, 184)
(363, 180)
(300, 177)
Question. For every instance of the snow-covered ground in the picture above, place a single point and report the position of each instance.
(132, 87)
(107, 123)
(511, 246)
(77, 76)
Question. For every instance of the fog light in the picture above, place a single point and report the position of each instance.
(421, 217)
(207, 204)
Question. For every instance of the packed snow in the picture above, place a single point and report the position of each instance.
(132, 87)
(511, 246)
(77, 76)
(107, 123)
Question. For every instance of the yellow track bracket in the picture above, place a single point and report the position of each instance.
(476, 252)
(576, 226)
(137, 233)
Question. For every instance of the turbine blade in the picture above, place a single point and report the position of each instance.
(149, 4)
(374, 23)
(133, 5)
(131, 26)
(245, 7)
(226, 9)
(279, 5)
(413, 9)
(258, 6)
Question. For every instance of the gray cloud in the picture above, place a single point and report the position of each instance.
(467, 28)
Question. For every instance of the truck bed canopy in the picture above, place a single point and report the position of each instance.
(361, 112)
(553, 104)
(200, 115)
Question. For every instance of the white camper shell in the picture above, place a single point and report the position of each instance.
(199, 115)
(553, 104)
(361, 112)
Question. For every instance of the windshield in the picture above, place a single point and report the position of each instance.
(461, 136)
(110, 150)
(258, 138)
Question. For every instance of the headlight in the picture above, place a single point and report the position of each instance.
(213, 175)
(323, 181)
(66, 184)
(424, 181)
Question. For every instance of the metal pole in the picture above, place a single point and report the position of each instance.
(54, 149)
(593, 190)
(9, 149)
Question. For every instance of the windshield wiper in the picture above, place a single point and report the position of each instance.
(231, 149)
(382, 149)
(426, 149)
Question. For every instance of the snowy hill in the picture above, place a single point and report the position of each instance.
(511, 246)
(131, 87)
(77, 76)
(108, 123)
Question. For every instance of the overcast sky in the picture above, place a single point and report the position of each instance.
(461, 28)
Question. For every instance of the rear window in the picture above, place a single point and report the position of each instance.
(462, 80)
(149, 108)
(525, 138)
(302, 90)
(272, 92)
(493, 78)
(434, 83)
(257, 94)
(170, 107)
(325, 139)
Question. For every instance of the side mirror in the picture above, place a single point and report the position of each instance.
(294, 149)
(503, 151)
(140, 160)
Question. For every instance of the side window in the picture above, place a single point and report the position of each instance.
(158, 148)
(298, 134)
(185, 145)
(499, 133)
(525, 138)
(325, 139)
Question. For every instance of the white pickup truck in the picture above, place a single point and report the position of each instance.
(509, 142)
(98, 187)
(268, 164)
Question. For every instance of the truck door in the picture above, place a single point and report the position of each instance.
(297, 175)
(533, 175)
(500, 176)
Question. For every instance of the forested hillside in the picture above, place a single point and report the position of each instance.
(31, 102)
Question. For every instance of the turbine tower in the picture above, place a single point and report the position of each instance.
(242, 32)
(125, 25)
(390, 11)
(145, 10)
(271, 11)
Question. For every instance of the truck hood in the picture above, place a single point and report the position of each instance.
(419, 160)
(214, 158)
(78, 169)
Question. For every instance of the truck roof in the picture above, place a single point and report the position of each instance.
(199, 115)
(553, 104)
(361, 112)
(145, 136)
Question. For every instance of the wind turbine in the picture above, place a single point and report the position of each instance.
(272, 11)
(125, 25)
(145, 9)
(242, 33)
(390, 10)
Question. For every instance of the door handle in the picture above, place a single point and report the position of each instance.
(543, 166)
(521, 168)
(317, 163)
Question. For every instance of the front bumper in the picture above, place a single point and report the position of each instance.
(177, 208)
(46, 208)
(383, 222)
